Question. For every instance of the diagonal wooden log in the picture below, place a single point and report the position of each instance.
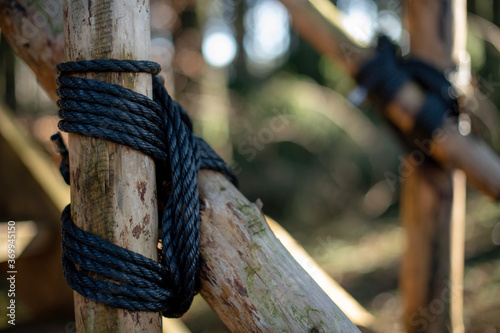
(249, 278)
(318, 21)
(351, 308)
(31, 30)
(433, 196)
(277, 294)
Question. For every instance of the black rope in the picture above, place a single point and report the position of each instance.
(61, 149)
(161, 128)
(385, 73)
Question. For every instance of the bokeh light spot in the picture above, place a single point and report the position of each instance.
(218, 47)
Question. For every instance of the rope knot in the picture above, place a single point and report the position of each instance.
(162, 129)
(385, 74)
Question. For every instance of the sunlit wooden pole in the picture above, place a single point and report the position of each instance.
(113, 187)
(248, 277)
(432, 198)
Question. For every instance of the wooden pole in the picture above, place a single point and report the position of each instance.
(433, 199)
(55, 294)
(346, 302)
(319, 22)
(249, 278)
(113, 189)
(432, 212)
(29, 29)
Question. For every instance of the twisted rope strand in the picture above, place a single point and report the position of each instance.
(162, 129)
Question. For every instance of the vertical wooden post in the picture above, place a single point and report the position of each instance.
(433, 200)
(249, 278)
(112, 186)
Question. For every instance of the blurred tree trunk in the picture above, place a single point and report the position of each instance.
(433, 199)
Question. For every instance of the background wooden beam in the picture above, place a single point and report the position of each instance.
(33, 37)
(433, 199)
(319, 22)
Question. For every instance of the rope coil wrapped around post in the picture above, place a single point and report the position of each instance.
(385, 73)
(162, 129)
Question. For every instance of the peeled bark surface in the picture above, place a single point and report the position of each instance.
(249, 278)
(40, 285)
(359, 315)
(261, 288)
(32, 28)
(113, 187)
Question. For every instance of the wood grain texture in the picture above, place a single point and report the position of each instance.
(433, 198)
(248, 277)
(353, 310)
(477, 159)
(32, 28)
(113, 188)
(280, 296)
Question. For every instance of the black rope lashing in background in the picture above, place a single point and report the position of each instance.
(385, 74)
(162, 129)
